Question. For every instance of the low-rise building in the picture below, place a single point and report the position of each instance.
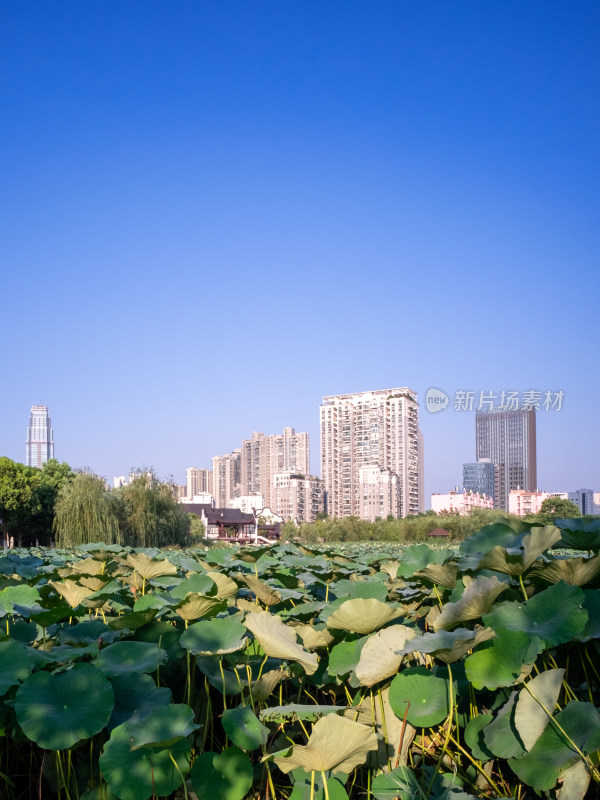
(460, 501)
(522, 502)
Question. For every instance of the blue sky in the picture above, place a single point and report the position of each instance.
(215, 213)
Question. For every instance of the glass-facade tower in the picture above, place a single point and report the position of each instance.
(478, 476)
(39, 446)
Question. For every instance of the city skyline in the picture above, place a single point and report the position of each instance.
(220, 218)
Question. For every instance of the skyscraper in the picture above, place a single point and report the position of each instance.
(507, 440)
(478, 477)
(39, 446)
(263, 456)
(226, 473)
(380, 430)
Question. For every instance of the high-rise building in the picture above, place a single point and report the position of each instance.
(507, 439)
(198, 481)
(478, 477)
(377, 429)
(226, 473)
(584, 500)
(39, 446)
(298, 497)
(263, 456)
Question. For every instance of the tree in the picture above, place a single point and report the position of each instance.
(85, 512)
(52, 476)
(18, 497)
(151, 517)
(554, 508)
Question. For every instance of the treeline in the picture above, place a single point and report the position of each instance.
(56, 505)
(418, 528)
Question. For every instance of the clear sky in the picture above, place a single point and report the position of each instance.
(215, 213)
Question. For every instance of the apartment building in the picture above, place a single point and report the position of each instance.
(262, 456)
(298, 497)
(226, 478)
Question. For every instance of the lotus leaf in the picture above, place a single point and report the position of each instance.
(150, 567)
(313, 637)
(266, 595)
(427, 696)
(554, 750)
(267, 683)
(554, 615)
(440, 574)
(133, 620)
(538, 694)
(88, 566)
(214, 637)
(78, 702)
(335, 744)
(194, 606)
(226, 588)
(448, 646)
(591, 604)
(312, 787)
(400, 782)
(574, 571)
(574, 782)
(501, 735)
(16, 662)
(162, 727)
(517, 560)
(501, 662)
(123, 657)
(498, 534)
(380, 656)
(138, 774)
(243, 728)
(279, 640)
(23, 595)
(473, 735)
(477, 599)
(362, 616)
(226, 776)
(395, 735)
(579, 535)
(198, 583)
(135, 696)
(344, 657)
(419, 556)
(391, 567)
(364, 589)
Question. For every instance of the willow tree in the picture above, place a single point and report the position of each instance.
(151, 515)
(85, 512)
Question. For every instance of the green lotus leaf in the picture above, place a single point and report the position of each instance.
(22, 631)
(591, 603)
(295, 711)
(123, 657)
(279, 640)
(574, 571)
(364, 589)
(224, 680)
(362, 616)
(344, 657)
(529, 547)
(473, 735)
(554, 615)
(136, 695)
(420, 556)
(139, 774)
(19, 595)
(153, 602)
(501, 662)
(579, 535)
(554, 751)
(440, 574)
(312, 787)
(501, 735)
(427, 696)
(214, 637)
(226, 776)
(400, 782)
(335, 744)
(198, 583)
(56, 711)
(477, 599)
(133, 620)
(380, 656)
(150, 567)
(538, 694)
(499, 534)
(194, 606)
(243, 728)
(16, 662)
(162, 727)
(448, 646)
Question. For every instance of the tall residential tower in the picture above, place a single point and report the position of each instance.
(370, 453)
(39, 446)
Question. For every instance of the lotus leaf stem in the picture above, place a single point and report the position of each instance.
(326, 788)
(477, 766)
(180, 774)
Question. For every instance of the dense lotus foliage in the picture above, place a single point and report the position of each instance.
(304, 674)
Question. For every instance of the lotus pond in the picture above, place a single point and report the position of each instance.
(291, 673)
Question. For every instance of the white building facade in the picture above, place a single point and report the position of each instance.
(39, 445)
(460, 502)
